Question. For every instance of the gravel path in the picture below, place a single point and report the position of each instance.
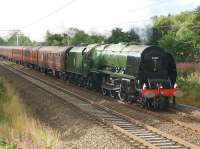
(78, 129)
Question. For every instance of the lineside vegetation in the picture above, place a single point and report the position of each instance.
(189, 82)
(20, 130)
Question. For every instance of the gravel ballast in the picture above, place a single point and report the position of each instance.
(78, 130)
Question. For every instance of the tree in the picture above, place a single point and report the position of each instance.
(82, 37)
(132, 36)
(57, 39)
(75, 37)
(22, 40)
(79, 37)
(72, 37)
(118, 35)
(162, 25)
(53, 39)
(179, 34)
(95, 38)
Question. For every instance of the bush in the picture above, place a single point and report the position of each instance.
(189, 82)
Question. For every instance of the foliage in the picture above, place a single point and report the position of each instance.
(7, 145)
(118, 35)
(22, 40)
(3, 100)
(75, 37)
(2, 42)
(178, 34)
(20, 130)
(72, 37)
(80, 37)
(189, 82)
(161, 27)
(56, 39)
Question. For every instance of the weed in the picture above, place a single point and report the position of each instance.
(19, 129)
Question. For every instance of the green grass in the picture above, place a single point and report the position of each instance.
(19, 130)
(8, 145)
(189, 82)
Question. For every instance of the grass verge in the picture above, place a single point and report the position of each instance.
(19, 130)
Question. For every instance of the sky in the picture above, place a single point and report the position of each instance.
(35, 17)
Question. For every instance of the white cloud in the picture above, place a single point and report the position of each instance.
(90, 15)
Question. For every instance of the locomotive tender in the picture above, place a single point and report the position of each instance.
(132, 73)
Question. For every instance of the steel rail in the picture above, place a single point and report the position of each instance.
(145, 134)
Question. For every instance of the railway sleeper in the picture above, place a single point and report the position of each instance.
(137, 131)
(144, 134)
(126, 126)
(155, 138)
(171, 146)
(168, 145)
(164, 143)
(159, 141)
(111, 118)
(149, 136)
(116, 119)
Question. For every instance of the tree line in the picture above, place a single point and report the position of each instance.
(178, 34)
(12, 41)
(75, 37)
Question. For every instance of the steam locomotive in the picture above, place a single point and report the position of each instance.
(128, 72)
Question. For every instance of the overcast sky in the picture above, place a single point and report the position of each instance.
(35, 17)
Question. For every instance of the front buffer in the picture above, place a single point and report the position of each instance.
(157, 99)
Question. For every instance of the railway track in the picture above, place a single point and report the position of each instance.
(173, 110)
(145, 134)
(175, 121)
(186, 125)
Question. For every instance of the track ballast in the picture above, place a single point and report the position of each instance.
(135, 131)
